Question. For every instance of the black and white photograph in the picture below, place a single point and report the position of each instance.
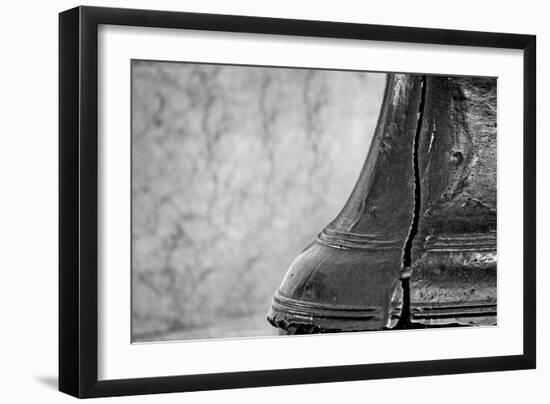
(274, 201)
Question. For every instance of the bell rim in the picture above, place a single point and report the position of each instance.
(286, 313)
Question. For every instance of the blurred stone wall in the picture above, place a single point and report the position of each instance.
(235, 170)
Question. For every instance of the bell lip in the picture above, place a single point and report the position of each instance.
(460, 313)
(318, 317)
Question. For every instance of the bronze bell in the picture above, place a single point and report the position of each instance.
(416, 240)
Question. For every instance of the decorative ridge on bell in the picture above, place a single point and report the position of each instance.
(341, 239)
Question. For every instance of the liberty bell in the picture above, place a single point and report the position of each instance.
(415, 244)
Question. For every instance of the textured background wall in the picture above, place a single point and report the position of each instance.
(235, 170)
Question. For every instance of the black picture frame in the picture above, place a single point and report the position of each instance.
(78, 201)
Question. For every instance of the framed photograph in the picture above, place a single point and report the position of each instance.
(250, 201)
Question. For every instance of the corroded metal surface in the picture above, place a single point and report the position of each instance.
(454, 254)
(348, 279)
